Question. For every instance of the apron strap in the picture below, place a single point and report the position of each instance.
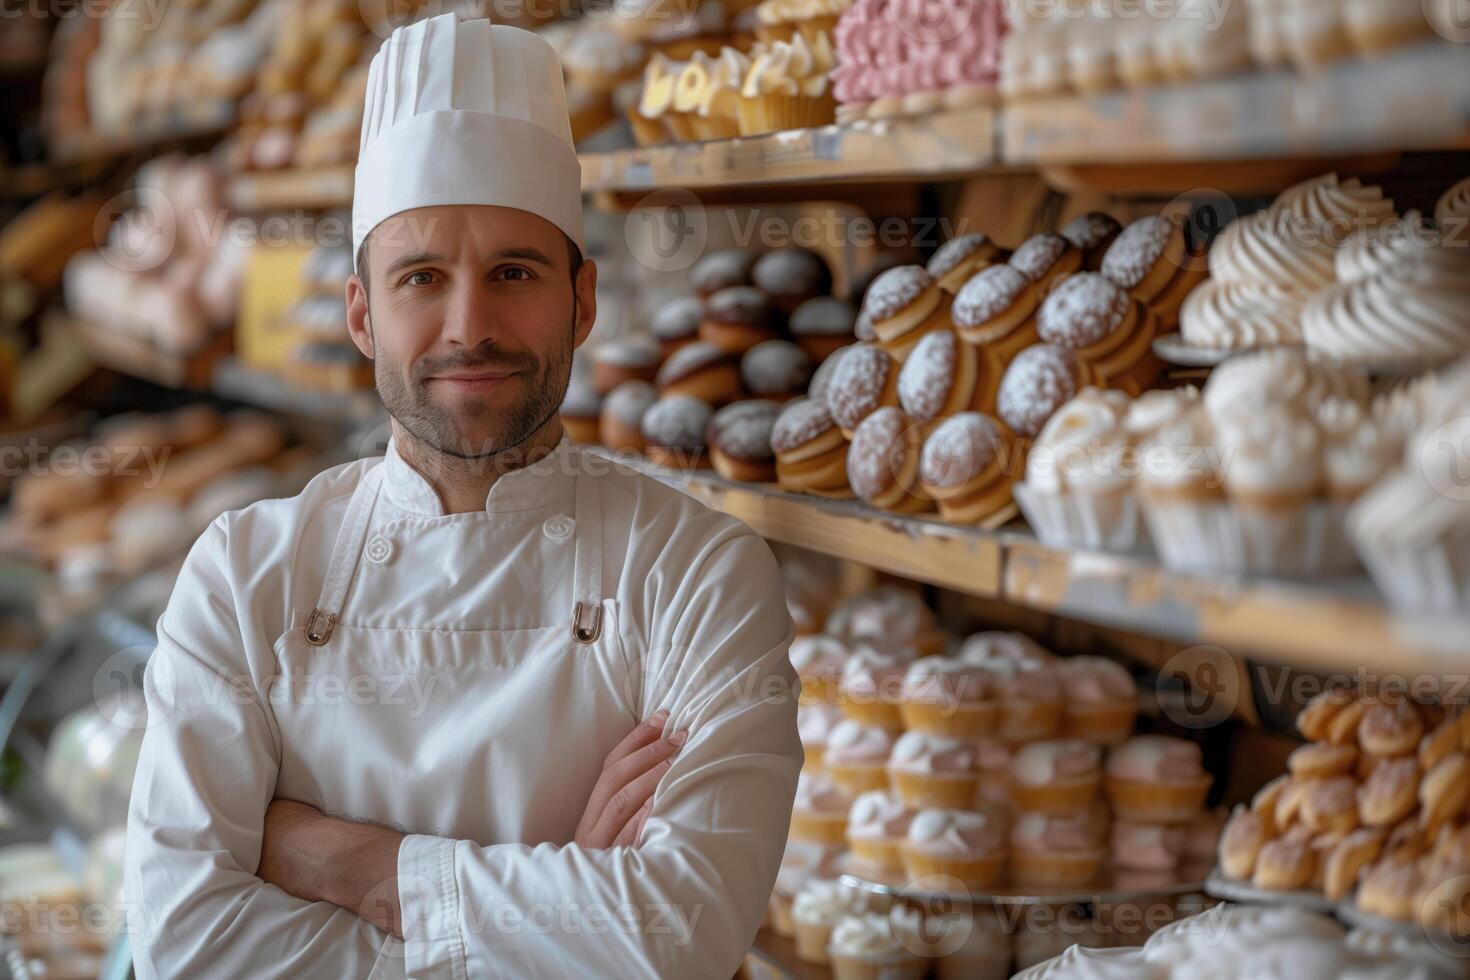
(587, 575)
(345, 555)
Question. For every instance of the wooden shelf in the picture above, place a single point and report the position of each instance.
(145, 136)
(240, 383)
(1328, 626)
(139, 358)
(325, 187)
(1418, 98)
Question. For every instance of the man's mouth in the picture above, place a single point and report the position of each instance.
(473, 380)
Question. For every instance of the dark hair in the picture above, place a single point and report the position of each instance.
(574, 259)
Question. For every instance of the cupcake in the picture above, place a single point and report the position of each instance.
(581, 409)
(818, 660)
(819, 814)
(739, 441)
(1056, 777)
(676, 323)
(968, 465)
(701, 370)
(905, 303)
(650, 116)
(933, 771)
(948, 696)
(1092, 232)
(865, 380)
(814, 723)
(943, 377)
(1101, 700)
(967, 846)
(788, 87)
(1040, 380)
(822, 325)
(718, 114)
(995, 309)
(621, 421)
(857, 756)
(776, 370)
(673, 431)
(737, 318)
(601, 60)
(892, 616)
(876, 827)
(1110, 331)
(1147, 846)
(815, 911)
(872, 684)
(967, 944)
(811, 454)
(1046, 258)
(1059, 851)
(993, 758)
(954, 262)
(791, 277)
(1157, 779)
(1026, 684)
(883, 463)
(634, 358)
(721, 270)
(863, 947)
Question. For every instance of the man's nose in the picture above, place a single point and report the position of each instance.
(470, 318)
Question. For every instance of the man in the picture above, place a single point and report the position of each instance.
(487, 706)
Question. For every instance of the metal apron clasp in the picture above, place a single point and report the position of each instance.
(583, 632)
(319, 637)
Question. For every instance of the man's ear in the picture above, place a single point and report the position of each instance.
(586, 290)
(358, 324)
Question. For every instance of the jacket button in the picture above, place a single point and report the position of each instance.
(379, 549)
(559, 528)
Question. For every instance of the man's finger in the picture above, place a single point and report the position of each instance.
(632, 766)
(628, 836)
(644, 734)
(628, 800)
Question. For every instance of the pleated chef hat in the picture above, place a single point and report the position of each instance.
(466, 112)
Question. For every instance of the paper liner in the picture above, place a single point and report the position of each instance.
(1220, 537)
(1433, 578)
(1109, 522)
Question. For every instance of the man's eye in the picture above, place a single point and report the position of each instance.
(516, 273)
(419, 279)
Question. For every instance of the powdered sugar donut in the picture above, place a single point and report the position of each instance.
(676, 323)
(721, 270)
(1040, 380)
(960, 258)
(701, 370)
(864, 381)
(791, 276)
(943, 376)
(1045, 258)
(811, 452)
(883, 462)
(822, 325)
(737, 318)
(631, 358)
(776, 370)
(996, 308)
(621, 422)
(1092, 232)
(673, 428)
(739, 440)
(967, 466)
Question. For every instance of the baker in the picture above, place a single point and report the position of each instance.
(487, 705)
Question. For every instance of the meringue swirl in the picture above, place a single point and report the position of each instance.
(1408, 316)
(1272, 248)
(1240, 315)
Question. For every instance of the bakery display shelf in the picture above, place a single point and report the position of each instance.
(145, 136)
(1183, 881)
(1322, 625)
(267, 190)
(239, 382)
(1218, 886)
(939, 145)
(1416, 98)
(773, 957)
(138, 358)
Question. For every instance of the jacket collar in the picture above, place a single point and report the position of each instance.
(546, 482)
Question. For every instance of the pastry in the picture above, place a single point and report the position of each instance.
(1330, 805)
(581, 409)
(676, 324)
(701, 370)
(819, 814)
(954, 262)
(943, 377)
(673, 431)
(1391, 729)
(1045, 258)
(1348, 858)
(864, 946)
(601, 60)
(815, 912)
(1108, 329)
(650, 116)
(1026, 682)
(811, 453)
(818, 660)
(737, 318)
(996, 309)
(1285, 864)
(1390, 793)
(889, 616)
(718, 115)
(634, 358)
(969, 846)
(933, 771)
(1388, 888)
(814, 723)
(968, 465)
(877, 825)
(1241, 843)
(1444, 791)
(1092, 232)
(822, 325)
(620, 425)
(1158, 779)
(789, 87)
(883, 462)
(739, 441)
(1315, 719)
(1040, 380)
(822, 376)
(776, 370)
(1152, 260)
(1059, 851)
(1439, 743)
(993, 759)
(721, 270)
(1100, 700)
(865, 381)
(1322, 760)
(872, 684)
(791, 276)
(947, 696)
(1056, 777)
(857, 755)
(1337, 208)
(905, 303)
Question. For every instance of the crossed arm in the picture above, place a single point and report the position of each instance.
(354, 866)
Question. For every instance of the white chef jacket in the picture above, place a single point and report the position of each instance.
(451, 701)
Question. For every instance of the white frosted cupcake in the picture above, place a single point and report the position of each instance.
(857, 756)
(864, 947)
(1101, 700)
(1026, 684)
(819, 814)
(949, 696)
(934, 771)
(814, 723)
(967, 847)
(818, 660)
(872, 686)
(1157, 779)
(876, 827)
(815, 912)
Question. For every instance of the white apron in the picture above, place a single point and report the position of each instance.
(458, 730)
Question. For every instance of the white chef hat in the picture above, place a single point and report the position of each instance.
(466, 112)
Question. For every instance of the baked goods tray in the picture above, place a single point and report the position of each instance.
(1219, 886)
(1106, 889)
(1173, 349)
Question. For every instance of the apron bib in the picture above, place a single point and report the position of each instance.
(483, 734)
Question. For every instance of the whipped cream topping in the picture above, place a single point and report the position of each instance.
(1156, 759)
(878, 814)
(817, 793)
(852, 741)
(922, 752)
(1041, 763)
(958, 833)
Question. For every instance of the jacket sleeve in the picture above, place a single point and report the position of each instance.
(688, 900)
(205, 776)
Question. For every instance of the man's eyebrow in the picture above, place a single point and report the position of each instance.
(526, 252)
(413, 258)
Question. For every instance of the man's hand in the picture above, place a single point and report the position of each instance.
(318, 858)
(624, 792)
